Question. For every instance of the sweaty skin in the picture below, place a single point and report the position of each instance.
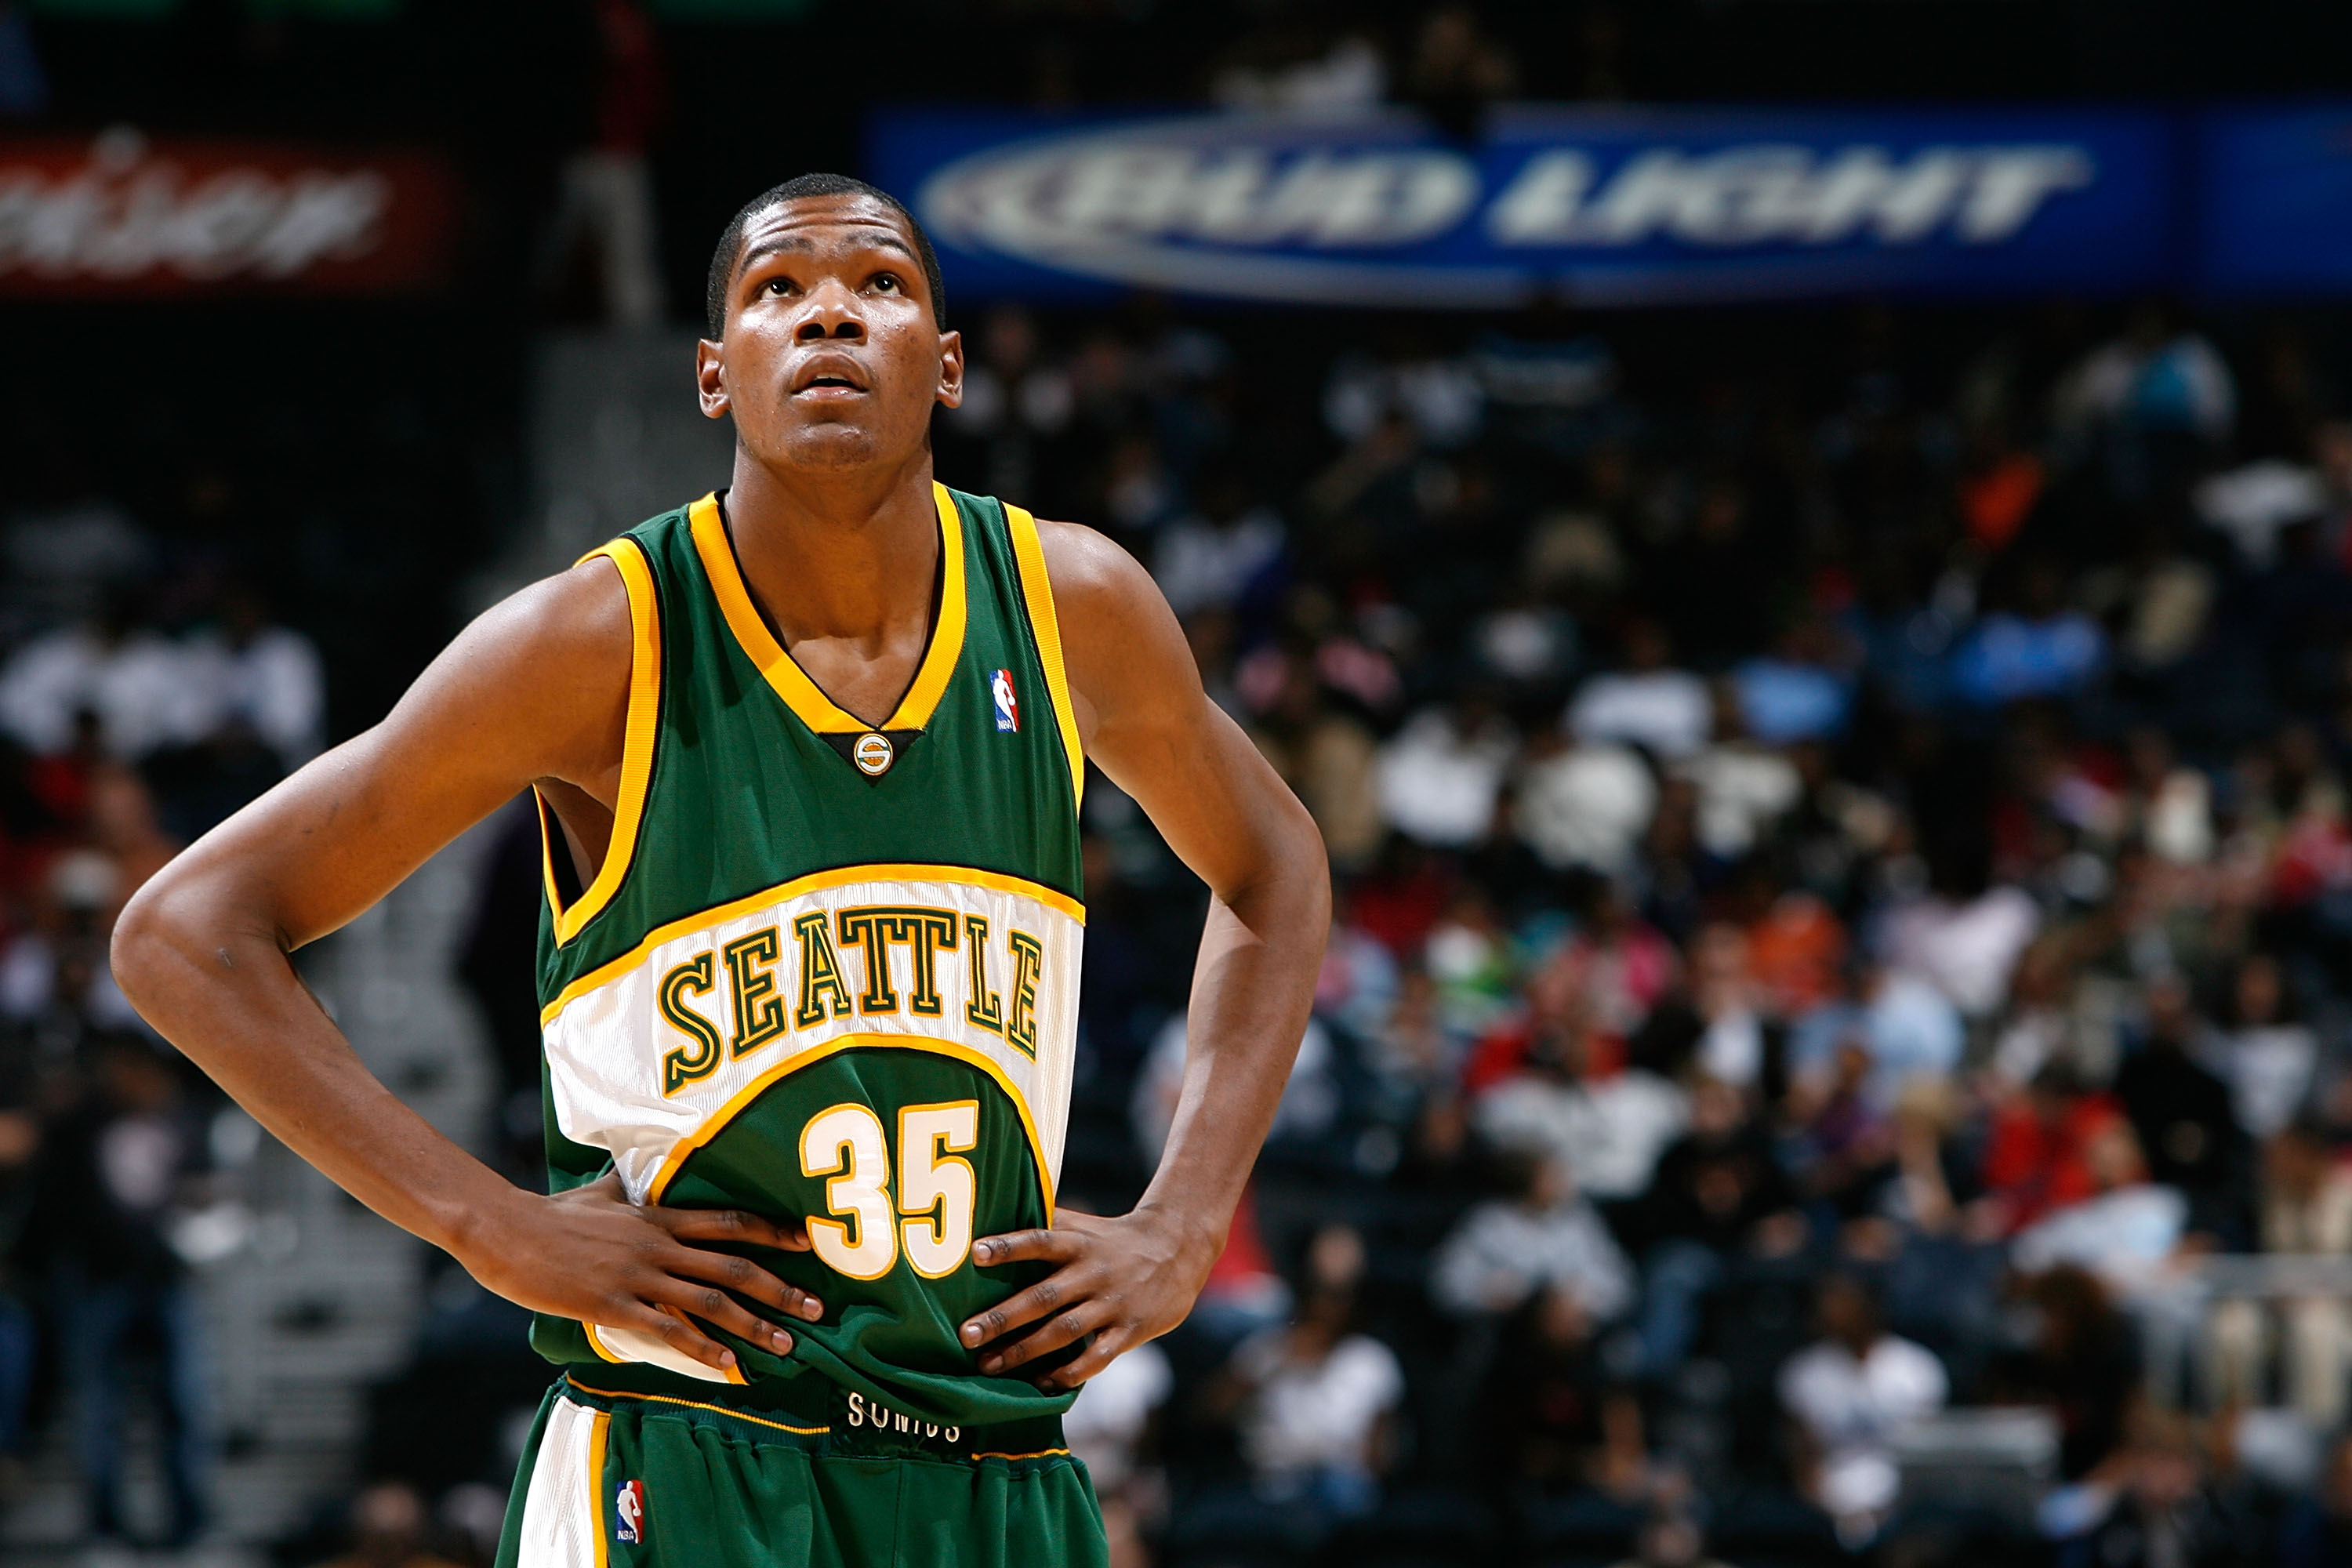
(830, 364)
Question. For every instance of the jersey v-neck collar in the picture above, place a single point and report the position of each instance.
(783, 674)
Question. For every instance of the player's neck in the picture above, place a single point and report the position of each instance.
(850, 555)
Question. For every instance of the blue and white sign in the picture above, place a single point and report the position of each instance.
(1594, 207)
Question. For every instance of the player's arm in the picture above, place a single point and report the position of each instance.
(1153, 732)
(535, 691)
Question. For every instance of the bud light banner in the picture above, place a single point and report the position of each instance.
(1596, 206)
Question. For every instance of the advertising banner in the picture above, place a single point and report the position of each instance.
(2274, 200)
(121, 216)
(1596, 206)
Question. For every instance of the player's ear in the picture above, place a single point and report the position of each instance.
(951, 390)
(711, 377)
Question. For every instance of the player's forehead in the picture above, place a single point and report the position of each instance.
(831, 225)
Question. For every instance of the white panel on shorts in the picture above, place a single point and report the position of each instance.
(559, 1517)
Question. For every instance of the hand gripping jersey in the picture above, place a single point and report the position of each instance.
(828, 970)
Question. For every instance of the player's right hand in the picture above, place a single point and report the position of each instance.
(592, 1255)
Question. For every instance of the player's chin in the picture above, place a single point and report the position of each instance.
(830, 444)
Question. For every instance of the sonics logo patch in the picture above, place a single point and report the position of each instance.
(1008, 707)
(873, 754)
(629, 1513)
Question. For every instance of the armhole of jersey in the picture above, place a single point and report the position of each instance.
(642, 726)
(1037, 593)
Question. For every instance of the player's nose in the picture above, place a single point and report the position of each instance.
(831, 313)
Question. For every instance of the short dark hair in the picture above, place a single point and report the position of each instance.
(730, 240)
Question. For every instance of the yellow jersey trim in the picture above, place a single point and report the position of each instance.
(1037, 592)
(675, 1161)
(699, 1404)
(599, 1429)
(791, 682)
(784, 892)
(1040, 1454)
(641, 729)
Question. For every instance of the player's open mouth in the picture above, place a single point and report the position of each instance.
(833, 377)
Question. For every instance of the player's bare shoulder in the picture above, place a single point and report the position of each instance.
(541, 677)
(1126, 655)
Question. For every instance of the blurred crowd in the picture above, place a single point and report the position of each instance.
(1844, 886)
(141, 701)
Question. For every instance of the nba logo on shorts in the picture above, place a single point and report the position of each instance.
(1008, 709)
(629, 1513)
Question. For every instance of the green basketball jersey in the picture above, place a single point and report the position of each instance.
(830, 972)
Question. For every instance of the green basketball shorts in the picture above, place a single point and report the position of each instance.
(613, 1478)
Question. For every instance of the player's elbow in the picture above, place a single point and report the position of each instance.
(152, 936)
(137, 950)
(1297, 863)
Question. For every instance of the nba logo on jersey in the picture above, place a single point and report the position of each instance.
(629, 1513)
(1008, 709)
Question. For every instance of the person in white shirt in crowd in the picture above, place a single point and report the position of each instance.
(1440, 777)
(2265, 1055)
(1744, 787)
(147, 690)
(269, 679)
(1584, 803)
(1542, 1235)
(2126, 1233)
(2133, 1234)
(150, 691)
(1964, 943)
(1207, 558)
(1647, 703)
(1609, 1129)
(1848, 1395)
(1316, 1401)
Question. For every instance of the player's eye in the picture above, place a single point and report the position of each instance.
(779, 286)
(887, 281)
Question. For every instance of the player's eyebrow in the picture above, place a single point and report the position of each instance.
(786, 240)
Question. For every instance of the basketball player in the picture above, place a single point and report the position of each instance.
(807, 756)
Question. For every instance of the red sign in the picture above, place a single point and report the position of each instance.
(125, 215)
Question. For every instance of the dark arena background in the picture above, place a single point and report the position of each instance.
(1800, 553)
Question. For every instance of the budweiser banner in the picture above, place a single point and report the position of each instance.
(122, 215)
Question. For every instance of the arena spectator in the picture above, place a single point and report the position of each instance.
(1608, 1127)
(1849, 1394)
(1647, 702)
(1316, 1400)
(1907, 1030)
(1441, 778)
(1720, 1197)
(2083, 1364)
(114, 1174)
(2266, 1056)
(1552, 1417)
(1542, 1237)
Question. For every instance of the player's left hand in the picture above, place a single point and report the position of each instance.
(1123, 1280)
